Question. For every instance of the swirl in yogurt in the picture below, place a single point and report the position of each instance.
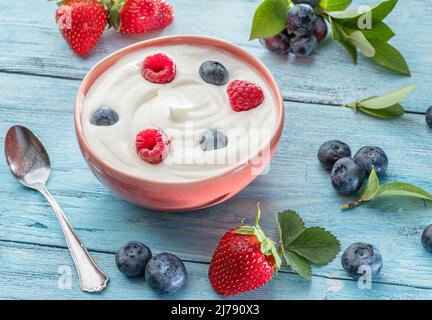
(185, 109)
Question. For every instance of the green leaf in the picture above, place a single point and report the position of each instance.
(403, 189)
(379, 31)
(359, 40)
(371, 188)
(388, 99)
(389, 57)
(378, 12)
(316, 245)
(298, 264)
(269, 19)
(394, 111)
(335, 5)
(340, 36)
(290, 225)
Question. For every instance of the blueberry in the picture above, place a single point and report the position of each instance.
(132, 258)
(331, 151)
(320, 29)
(165, 273)
(104, 117)
(301, 19)
(279, 44)
(212, 140)
(347, 176)
(429, 117)
(214, 72)
(312, 3)
(303, 46)
(426, 238)
(362, 255)
(372, 156)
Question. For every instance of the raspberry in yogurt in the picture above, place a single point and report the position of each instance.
(191, 105)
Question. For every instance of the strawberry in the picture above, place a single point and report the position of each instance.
(244, 260)
(139, 16)
(81, 22)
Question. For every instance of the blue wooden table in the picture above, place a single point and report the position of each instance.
(39, 77)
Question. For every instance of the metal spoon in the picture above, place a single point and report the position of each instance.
(30, 165)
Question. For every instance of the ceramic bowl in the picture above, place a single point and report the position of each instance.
(184, 196)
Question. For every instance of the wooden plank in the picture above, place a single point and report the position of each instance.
(31, 44)
(295, 181)
(34, 272)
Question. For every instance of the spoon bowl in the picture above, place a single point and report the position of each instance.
(27, 157)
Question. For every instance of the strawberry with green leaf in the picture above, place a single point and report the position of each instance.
(81, 22)
(245, 258)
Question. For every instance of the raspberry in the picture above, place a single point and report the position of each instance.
(158, 68)
(244, 95)
(152, 145)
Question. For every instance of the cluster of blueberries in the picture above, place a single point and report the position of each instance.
(347, 177)
(304, 30)
(348, 174)
(164, 272)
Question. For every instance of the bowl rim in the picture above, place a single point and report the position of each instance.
(206, 41)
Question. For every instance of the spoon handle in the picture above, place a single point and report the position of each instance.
(91, 277)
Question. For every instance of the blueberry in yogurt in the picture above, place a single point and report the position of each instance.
(214, 72)
(165, 273)
(104, 116)
(132, 258)
(213, 140)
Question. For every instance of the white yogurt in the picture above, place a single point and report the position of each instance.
(184, 109)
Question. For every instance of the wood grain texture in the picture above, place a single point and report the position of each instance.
(295, 180)
(48, 266)
(39, 74)
(31, 44)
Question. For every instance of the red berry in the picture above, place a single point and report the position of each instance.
(239, 263)
(244, 95)
(139, 16)
(81, 22)
(158, 68)
(152, 145)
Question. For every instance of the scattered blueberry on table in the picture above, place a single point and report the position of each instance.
(214, 72)
(104, 116)
(132, 258)
(279, 44)
(426, 238)
(331, 151)
(429, 117)
(165, 273)
(347, 176)
(374, 157)
(213, 140)
(301, 19)
(359, 257)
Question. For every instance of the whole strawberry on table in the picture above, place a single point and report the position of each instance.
(82, 22)
(245, 258)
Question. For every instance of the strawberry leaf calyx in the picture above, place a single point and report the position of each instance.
(114, 8)
(268, 246)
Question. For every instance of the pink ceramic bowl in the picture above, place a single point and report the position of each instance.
(178, 196)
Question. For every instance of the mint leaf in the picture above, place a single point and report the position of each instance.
(377, 12)
(403, 189)
(379, 30)
(316, 245)
(389, 57)
(335, 5)
(371, 189)
(298, 264)
(394, 111)
(269, 19)
(290, 225)
(388, 99)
